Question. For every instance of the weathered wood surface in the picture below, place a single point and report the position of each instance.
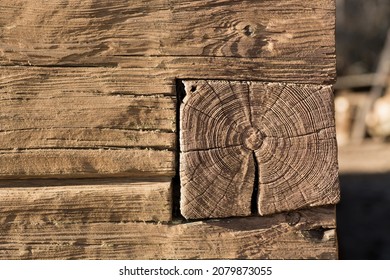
(268, 40)
(287, 129)
(108, 81)
(102, 104)
(85, 201)
(307, 234)
(65, 122)
(76, 163)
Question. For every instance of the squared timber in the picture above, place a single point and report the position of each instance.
(271, 40)
(84, 122)
(305, 234)
(88, 200)
(231, 131)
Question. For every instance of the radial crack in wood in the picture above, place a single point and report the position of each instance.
(228, 170)
(288, 127)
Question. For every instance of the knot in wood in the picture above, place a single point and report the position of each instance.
(248, 30)
(252, 138)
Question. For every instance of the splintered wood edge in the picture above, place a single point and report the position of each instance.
(304, 234)
(287, 129)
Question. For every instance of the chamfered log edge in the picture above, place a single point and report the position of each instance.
(304, 234)
(287, 129)
(85, 200)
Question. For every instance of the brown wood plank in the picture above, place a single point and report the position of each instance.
(307, 234)
(85, 201)
(79, 163)
(78, 138)
(83, 108)
(289, 38)
(64, 122)
(287, 129)
(44, 98)
(137, 81)
(227, 68)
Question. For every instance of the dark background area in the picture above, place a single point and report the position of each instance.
(361, 28)
(363, 215)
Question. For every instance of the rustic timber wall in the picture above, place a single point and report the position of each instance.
(88, 120)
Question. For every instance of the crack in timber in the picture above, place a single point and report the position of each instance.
(256, 188)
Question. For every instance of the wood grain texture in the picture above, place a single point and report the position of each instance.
(85, 201)
(288, 38)
(85, 122)
(76, 163)
(288, 129)
(108, 81)
(87, 89)
(307, 234)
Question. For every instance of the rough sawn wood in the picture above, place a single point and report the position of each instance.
(307, 234)
(290, 40)
(84, 122)
(87, 200)
(87, 100)
(288, 129)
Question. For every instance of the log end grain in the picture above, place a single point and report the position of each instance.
(287, 129)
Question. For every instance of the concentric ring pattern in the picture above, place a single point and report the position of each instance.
(288, 129)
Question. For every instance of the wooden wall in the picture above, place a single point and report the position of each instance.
(88, 120)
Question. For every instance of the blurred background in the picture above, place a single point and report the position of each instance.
(362, 106)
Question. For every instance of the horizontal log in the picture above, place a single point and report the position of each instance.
(232, 68)
(79, 163)
(84, 108)
(60, 99)
(99, 81)
(87, 138)
(64, 122)
(278, 36)
(85, 201)
(73, 110)
(307, 234)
